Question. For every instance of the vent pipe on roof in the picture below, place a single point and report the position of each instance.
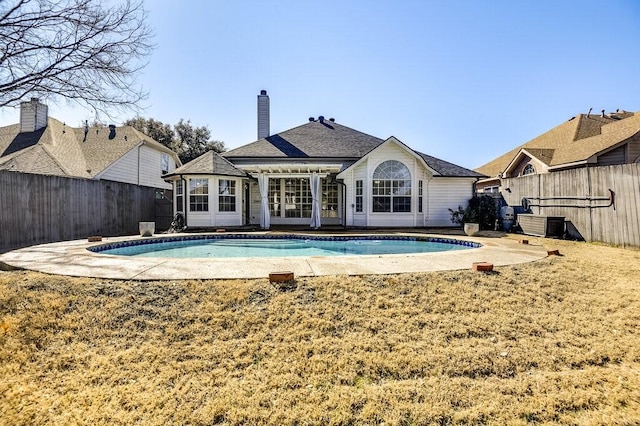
(321, 119)
(311, 119)
(263, 115)
(86, 130)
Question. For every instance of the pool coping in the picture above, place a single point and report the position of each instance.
(73, 259)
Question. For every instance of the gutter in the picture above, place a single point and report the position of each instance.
(569, 165)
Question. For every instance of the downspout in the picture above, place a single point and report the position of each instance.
(184, 199)
(590, 209)
(344, 203)
(426, 196)
(139, 146)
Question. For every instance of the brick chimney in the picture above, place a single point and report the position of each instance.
(263, 114)
(33, 115)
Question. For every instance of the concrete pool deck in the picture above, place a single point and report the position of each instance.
(72, 258)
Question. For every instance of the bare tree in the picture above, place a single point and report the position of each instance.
(84, 51)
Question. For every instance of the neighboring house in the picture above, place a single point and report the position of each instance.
(43, 145)
(582, 141)
(319, 173)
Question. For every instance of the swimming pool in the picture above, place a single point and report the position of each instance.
(245, 245)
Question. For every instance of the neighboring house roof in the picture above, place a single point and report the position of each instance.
(311, 140)
(209, 163)
(64, 151)
(576, 140)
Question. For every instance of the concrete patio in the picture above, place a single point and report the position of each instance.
(72, 258)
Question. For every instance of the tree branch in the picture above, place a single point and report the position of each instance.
(79, 50)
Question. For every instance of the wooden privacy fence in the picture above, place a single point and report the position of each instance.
(37, 209)
(599, 203)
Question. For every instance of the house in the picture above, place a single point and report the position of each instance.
(40, 144)
(319, 173)
(582, 141)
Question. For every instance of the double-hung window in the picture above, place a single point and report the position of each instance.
(164, 163)
(391, 188)
(359, 196)
(226, 195)
(199, 195)
(179, 196)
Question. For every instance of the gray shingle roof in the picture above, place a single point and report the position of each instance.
(447, 169)
(210, 163)
(329, 140)
(310, 140)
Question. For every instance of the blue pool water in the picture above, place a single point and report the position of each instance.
(214, 246)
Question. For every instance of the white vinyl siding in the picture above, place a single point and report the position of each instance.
(140, 166)
(446, 193)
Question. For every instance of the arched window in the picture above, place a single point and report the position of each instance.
(391, 188)
(528, 170)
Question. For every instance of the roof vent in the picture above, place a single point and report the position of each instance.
(333, 120)
(112, 131)
(321, 118)
(311, 119)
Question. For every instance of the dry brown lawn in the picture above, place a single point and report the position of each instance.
(551, 342)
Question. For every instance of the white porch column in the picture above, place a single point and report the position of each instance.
(315, 200)
(265, 215)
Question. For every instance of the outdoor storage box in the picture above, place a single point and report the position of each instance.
(541, 226)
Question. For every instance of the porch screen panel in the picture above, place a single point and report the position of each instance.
(274, 197)
(297, 198)
(329, 198)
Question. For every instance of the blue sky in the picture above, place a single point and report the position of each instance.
(464, 81)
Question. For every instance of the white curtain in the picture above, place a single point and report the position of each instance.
(265, 215)
(315, 197)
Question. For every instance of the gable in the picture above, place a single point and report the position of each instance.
(32, 160)
(394, 148)
(538, 158)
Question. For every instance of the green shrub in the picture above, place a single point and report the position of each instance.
(480, 210)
